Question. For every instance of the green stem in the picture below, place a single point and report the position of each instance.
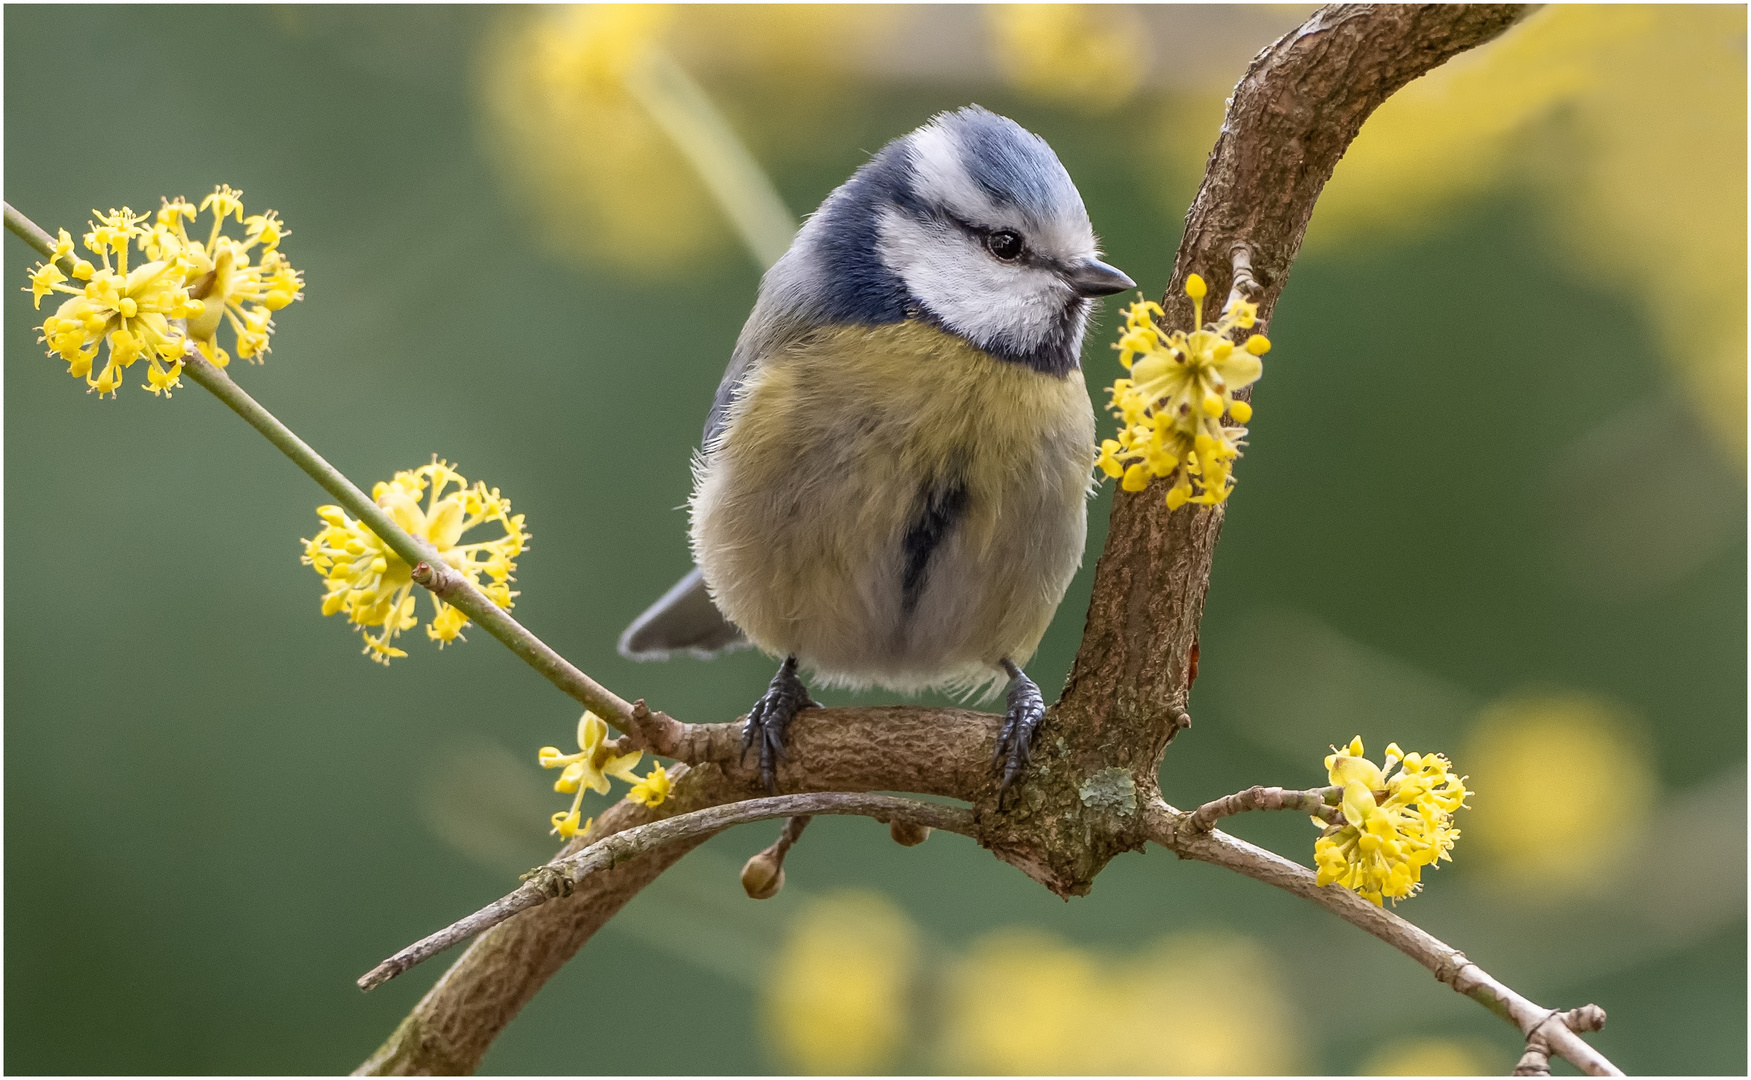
(31, 233)
(450, 585)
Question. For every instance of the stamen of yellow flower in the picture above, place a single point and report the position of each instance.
(590, 768)
(653, 789)
(1170, 408)
(374, 586)
(1396, 820)
(132, 310)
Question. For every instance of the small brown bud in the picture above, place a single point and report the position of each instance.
(763, 876)
(908, 834)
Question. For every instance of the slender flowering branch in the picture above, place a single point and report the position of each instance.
(1168, 827)
(1536, 1060)
(32, 233)
(557, 878)
(449, 585)
(1320, 802)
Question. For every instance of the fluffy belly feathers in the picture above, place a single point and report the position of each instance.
(895, 507)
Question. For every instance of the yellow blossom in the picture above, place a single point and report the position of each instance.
(589, 770)
(220, 271)
(1171, 407)
(653, 789)
(1394, 822)
(130, 310)
(374, 585)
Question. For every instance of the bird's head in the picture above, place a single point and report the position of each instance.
(970, 222)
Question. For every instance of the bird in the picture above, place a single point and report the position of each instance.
(893, 481)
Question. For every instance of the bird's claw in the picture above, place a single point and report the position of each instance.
(1026, 708)
(769, 721)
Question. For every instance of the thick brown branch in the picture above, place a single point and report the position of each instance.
(1089, 794)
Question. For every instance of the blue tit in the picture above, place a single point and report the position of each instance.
(892, 489)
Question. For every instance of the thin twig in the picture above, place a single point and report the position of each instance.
(448, 584)
(32, 233)
(557, 877)
(1449, 965)
(1320, 802)
(1536, 1060)
(763, 873)
(1245, 286)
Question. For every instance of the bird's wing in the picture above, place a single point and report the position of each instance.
(683, 621)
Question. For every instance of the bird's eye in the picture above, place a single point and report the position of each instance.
(1004, 244)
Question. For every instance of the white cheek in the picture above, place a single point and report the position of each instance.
(986, 301)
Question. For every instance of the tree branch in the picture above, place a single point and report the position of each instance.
(1168, 827)
(558, 876)
(447, 583)
(1320, 802)
(1092, 791)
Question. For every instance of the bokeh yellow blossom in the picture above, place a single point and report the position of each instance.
(374, 586)
(589, 770)
(130, 310)
(1552, 762)
(1589, 106)
(235, 282)
(1397, 819)
(1435, 1057)
(1092, 55)
(1191, 1003)
(608, 121)
(1171, 408)
(839, 996)
(609, 182)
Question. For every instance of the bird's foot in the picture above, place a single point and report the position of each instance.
(769, 720)
(1026, 709)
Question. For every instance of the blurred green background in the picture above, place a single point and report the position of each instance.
(1493, 505)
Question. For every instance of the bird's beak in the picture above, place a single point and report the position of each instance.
(1092, 277)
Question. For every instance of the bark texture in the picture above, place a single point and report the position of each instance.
(1092, 792)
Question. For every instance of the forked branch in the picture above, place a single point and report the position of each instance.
(1094, 793)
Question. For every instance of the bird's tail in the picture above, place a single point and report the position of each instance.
(683, 621)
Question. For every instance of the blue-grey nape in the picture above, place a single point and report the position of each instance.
(909, 236)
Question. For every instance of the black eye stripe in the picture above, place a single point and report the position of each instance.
(1027, 256)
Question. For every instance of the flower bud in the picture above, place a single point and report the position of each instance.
(763, 876)
(908, 834)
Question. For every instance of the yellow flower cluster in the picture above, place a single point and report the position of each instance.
(374, 585)
(152, 311)
(221, 274)
(1395, 823)
(1172, 405)
(590, 769)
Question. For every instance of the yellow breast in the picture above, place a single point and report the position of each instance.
(802, 505)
